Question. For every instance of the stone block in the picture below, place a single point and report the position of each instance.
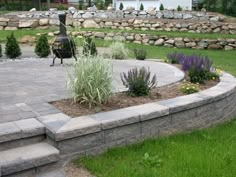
(77, 127)
(9, 131)
(116, 118)
(151, 127)
(81, 144)
(30, 127)
(123, 133)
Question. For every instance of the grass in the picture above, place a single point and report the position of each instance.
(224, 60)
(166, 33)
(20, 33)
(204, 153)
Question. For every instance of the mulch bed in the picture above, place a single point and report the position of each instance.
(122, 100)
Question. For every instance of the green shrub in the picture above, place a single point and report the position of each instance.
(121, 6)
(89, 47)
(90, 81)
(138, 81)
(101, 5)
(118, 50)
(140, 54)
(42, 48)
(80, 6)
(0, 50)
(179, 8)
(61, 7)
(141, 7)
(189, 88)
(161, 7)
(12, 48)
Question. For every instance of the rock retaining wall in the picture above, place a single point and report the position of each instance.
(95, 133)
(13, 23)
(226, 44)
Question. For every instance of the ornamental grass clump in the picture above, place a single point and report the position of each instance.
(90, 81)
(118, 50)
(139, 81)
(89, 47)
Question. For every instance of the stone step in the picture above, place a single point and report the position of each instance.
(19, 133)
(27, 157)
(54, 173)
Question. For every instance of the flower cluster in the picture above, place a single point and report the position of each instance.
(189, 88)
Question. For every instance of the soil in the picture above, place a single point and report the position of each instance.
(123, 100)
(72, 170)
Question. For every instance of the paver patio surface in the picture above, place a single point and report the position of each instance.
(28, 85)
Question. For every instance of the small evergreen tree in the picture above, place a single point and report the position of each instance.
(161, 7)
(12, 48)
(89, 47)
(42, 48)
(0, 50)
(80, 6)
(121, 6)
(179, 8)
(141, 7)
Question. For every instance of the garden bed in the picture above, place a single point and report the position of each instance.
(122, 100)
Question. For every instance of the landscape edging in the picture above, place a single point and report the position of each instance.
(95, 133)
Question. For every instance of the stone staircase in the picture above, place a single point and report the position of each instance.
(24, 151)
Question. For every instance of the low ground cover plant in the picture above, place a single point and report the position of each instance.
(89, 47)
(42, 48)
(139, 81)
(118, 50)
(140, 53)
(90, 81)
(12, 48)
(189, 88)
(175, 57)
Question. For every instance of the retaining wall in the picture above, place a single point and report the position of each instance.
(147, 39)
(194, 26)
(95, 133)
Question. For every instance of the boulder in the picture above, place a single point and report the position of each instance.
(179, 44)
(10, 28)
(168, 14)
(72, 10)
(187, 16)
(214, 46)
(3, 19)
(87, 15)
(90, 24)
(130, 8)
(170, 41)
(43, 21)
(119, 38)
(138, 21)
(159, 42)
(202, 44)
(178, 15)
(151, 11)
(1, 27)
(228, 47)
(28, 23)
(130, 38)
(54, 22)
(99, 35)
(32, 10)
(215, 19)
(190, 44)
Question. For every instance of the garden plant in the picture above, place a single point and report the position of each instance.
(89, 47)
(12, 48)
(139, 81)
(119, 51)
(42, 48)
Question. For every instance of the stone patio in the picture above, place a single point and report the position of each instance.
(29, 84)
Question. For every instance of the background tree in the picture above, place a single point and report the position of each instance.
(141, 7)
(121, 6)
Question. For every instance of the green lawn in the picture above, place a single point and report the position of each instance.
(225, 60)
(204, 153)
